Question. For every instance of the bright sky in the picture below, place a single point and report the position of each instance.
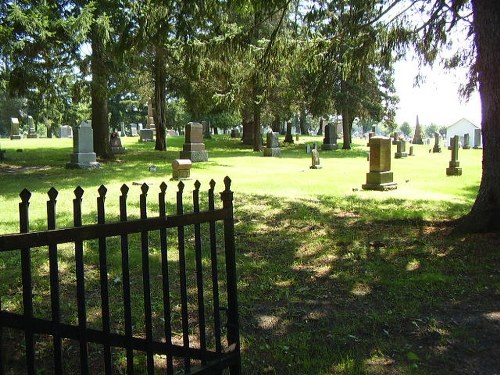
(436, 100)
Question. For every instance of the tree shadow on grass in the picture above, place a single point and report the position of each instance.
(333, 289)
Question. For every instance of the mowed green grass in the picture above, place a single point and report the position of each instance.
(332, 279)
(420, 177)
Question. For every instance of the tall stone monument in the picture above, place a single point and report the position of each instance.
(193, 147)
(454, 165)
(466, 144)
(330, 139)
(437, 147)
(14, 128)
(31, 128)
(417, 137)
(83, 156)
(477, 138)
(288, 135)
(380, 176)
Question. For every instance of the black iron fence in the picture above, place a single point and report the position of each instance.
(144, 295)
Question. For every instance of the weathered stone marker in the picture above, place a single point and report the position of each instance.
(330, 139)
(272, 145)
(193, 147)
(83, 155)
(454, 166)
(437, 147)
(315, 162)
(181, 169)
(380, 176)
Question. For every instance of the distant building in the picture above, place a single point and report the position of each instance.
(461, 127)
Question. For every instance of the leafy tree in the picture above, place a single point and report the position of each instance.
(406, 129)
(481, 21)
(348, 58)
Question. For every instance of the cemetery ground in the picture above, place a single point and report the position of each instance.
(332, 279)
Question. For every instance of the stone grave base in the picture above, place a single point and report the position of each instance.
(272, 151)
(453, 171)
(379, 181)
(315, 167)
(195, 156)
(329, 147)
(83, 161)
(34, 135)
(436, 149)
(400, 155)
(16, 136)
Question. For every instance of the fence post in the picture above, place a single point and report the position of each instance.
(127, 309)
(215, 272)
(54, 284)
(27, 282)
(183, 281)
(233, 334)
(146, 282)
(103, 279)
(80, 284)
(165, 279)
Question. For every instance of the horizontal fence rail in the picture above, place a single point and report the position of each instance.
(148, 295)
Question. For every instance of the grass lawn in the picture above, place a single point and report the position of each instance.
(332, 279)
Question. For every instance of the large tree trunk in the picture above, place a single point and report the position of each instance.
(485, 213)
(99, 95)
(276, 124)
(256, 92)
(346, 128)
(159, 100)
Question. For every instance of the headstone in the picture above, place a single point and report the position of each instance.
(14, 128)
(380, 176)
(235, 133)
(308, 148)
(288, 135)
(395, 138)
(133, 130)
(31, 128)
(315, 162)
(437, 147)
(116, 143)
(400, 149)
(172, 132)
(146, 135)
(83, 155)
(330, 139)
(417, 137)
(411, 151)
(454, 165)
(66, 131)
(371, 134)
(181, 169)
(477, 138)
(193, 147)
(272, 145)
(466, 144)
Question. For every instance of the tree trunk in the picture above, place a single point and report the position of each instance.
(159, 100)
(303, 122)
(485, 213)
(321, 126)
(99, 95)
(247, 122)
(256, 107)
(276, 123)
(346, 129)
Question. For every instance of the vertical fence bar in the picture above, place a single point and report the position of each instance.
(233, 334)
(80, 284)
(103, 278)
(183, 282)
(215, 272)
(199, 275)
(165, 279)
(1, 340)
(127, 308)
(54, 285)
(27, 283)
(146, 283)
